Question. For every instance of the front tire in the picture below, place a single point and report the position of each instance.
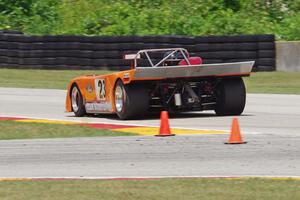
(77, 102)
(130, 100)
(231, 97)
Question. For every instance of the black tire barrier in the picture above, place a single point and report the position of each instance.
(265, 68)
(227, 39)
(266, 45)
(266, 38)
(155, 39)
(9, 53)
(169, 39)
(266, 62)
(106, 52)
(53, 46)
(57, 61)
(65, 61)
(228, 54)
(211, 61)
(182, 40)
(14, 38)
(61, 67)
(240, 60)
(226, 47)
(3, 59)
(112, 39)
(64, 53)
(3, 37)
(87, 39)
(110, 62)
(266, 53)
(11, 32)
(3, 52)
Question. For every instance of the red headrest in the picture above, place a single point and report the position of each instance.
(192, 60)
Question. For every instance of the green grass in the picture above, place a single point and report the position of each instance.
(26, 130)
(166, 189)
(274, 82)
(48, 79)
(259, 82)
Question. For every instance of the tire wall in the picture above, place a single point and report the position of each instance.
(106, 52)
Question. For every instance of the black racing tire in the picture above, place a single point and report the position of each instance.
(77, 102)
(130, 100)
(231, 97)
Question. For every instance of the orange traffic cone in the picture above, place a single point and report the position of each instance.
(235, 136)
(164, 125)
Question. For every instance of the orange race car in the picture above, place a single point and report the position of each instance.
(161, 79)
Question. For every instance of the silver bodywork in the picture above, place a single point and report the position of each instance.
(157, 70)
(221, 69)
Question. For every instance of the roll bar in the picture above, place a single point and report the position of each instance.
(135, 57)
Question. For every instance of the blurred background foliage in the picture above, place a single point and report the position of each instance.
(153, 17)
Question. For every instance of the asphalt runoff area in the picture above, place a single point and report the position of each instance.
(270, 124)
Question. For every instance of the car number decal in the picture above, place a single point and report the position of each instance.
(100, 89)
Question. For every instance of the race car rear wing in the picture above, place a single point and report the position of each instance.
(158, 69)
(193, 71)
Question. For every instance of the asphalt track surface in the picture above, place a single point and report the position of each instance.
(270, 124)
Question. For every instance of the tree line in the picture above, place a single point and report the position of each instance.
(153, 17)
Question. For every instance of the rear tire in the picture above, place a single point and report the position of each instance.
(130, 100)
(77, 102)
(231, 97)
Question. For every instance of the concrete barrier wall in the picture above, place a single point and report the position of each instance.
(288, 56)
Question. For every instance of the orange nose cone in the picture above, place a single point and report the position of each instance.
(235, 135)
(164, 129)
